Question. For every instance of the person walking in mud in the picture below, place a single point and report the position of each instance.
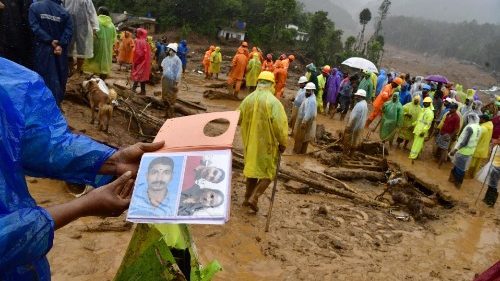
(305, 126)
(264, 129)
(172, 73)
(356, 123)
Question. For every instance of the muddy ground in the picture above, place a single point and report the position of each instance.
(313, 236)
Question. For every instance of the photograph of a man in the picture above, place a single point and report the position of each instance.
(199, 192)
(157, 187)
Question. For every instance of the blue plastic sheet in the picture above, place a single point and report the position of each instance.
(35, 140)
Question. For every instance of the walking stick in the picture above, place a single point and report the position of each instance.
(374, 129)
(273, 193)
(487, 175)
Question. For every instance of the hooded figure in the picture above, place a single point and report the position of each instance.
(206, 61)
(482, 151)
(305, 126)
(141, 66)
(126, 49)
(411, 111)
(264, 131)
(36, 141)
(367, 85)
(392, 119)
(172, 74)
(103, 46)
(280, 78)
(85, 23)
(52, 29)
(182, 51)
(268, 64)
(356, 123)
(421, 128)
(215, 61)
(238, 69)
(381, 82)
(332, 89)
(253, 70)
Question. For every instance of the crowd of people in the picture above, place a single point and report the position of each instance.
(62, 40)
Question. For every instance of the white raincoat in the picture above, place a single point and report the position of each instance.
(84, 18)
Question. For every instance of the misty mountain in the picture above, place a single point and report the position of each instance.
(483, 11)
(342, 17)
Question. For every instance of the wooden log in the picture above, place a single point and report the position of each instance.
(288, 174)
(354, 174)
(192, 104)
(218, 95)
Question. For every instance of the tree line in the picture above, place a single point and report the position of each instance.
(478, 43)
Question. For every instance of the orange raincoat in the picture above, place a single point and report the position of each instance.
(383, 97)
(126, 49)
(280, 79)
(238, 67)
(206, 58)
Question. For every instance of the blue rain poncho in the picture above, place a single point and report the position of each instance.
(182, 51)
(381, 82)
(36, 141)
(172, 68)
(50, 21)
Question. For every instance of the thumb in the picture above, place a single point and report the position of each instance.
(119, 183)
(151, 147)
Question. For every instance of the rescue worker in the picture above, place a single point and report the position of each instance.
(268, 64)
(322, 78)
(411, 111)
(264, 132)
(253, 70)
(215, 62)
(141, 67)
(392, 119)
(367, 85)
(280, 78)
(354, 128)
(384, 96)
(182, 51)
(482, 151)
(297, 101)
(172, 74)
(422, 126)
(102, 60)
(85, 27)
(464, 149)
(332, 90)
(52, 30)
(36, 141)
(238, 68)
(206, 61)
(305, 126)
(126, 50)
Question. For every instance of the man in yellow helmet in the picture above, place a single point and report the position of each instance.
(264, 129)
(422, 126)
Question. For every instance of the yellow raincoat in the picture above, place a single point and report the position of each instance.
(422, 125)
(374, 79)
(321, 88)
(411, 112)
(264, 126)
(215, 61)
(482, 149)
(254, 67)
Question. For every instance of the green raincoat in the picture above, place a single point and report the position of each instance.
(264, 126)
(410, 115)
(254, 67)
(103, 48)
(367, 85)
(392, 118)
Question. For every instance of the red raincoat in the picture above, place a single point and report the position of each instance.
(141, 67)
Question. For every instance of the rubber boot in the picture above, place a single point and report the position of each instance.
(490, 198)
(451, 178)
(259, 190)
(251, 184)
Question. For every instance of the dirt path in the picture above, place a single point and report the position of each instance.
(343, 241)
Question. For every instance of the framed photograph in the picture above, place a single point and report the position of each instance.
(183, 187)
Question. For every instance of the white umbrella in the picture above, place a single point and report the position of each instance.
(361, 63)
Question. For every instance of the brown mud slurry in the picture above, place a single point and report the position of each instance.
(313, 236)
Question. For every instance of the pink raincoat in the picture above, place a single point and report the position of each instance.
(141, 67)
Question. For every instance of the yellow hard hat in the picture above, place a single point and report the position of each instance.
(266, 75)
(428, 99)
